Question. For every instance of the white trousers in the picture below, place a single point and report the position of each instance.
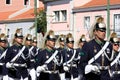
(62, 76)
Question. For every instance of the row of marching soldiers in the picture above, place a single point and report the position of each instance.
(96, 59)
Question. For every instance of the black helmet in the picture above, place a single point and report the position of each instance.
(3, 38)
(29, 37)
(34, 40)
(69, 38)
(18, 34)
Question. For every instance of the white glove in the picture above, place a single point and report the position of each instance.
(9, 65)
(5, 77)
(90, 68)
(66, 68)
(41, 68)
(33, 74)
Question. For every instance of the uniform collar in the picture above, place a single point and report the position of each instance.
(17, 44)
(49, 50)
(99, 42)
(2, 48)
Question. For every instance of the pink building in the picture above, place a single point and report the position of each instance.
(18, 14)
(17, 11)
(77, 16)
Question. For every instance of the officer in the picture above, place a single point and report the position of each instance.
(17, 58)
(31, 67)
(48, 58)
(94, 63)
(3, 49)
(115, 66)
(81, 42)
(70, 59)
(61, 43)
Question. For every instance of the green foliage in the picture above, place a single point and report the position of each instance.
(41, 22)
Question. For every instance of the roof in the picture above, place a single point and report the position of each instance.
(4, 16)
(96, 3)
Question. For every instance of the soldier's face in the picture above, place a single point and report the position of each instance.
(70, 45)
(19, 40)
(50, 44)
(115, 47)
(100, 34)
(28, 43)
(3, 44)
(34, 44)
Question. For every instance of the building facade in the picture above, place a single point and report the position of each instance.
(77, 16)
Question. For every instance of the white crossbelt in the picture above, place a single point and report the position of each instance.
(2, 64)
(3, 54)
(52, 57)
(71, 58)
(115, 60)
(20, 52)
(99, 53)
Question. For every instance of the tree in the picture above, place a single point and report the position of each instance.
(41, 22)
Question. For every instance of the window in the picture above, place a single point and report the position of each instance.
(57, 16)
(64, 15)
(117, 23)
(60, 16)
(8, 32)
(26, 2)
(7, 1)
(87, 22)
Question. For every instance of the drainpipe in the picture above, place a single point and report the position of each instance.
(35, 12)
(108, 18)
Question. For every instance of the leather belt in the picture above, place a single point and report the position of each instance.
(51, 72)
(19, 65)
(32, 60)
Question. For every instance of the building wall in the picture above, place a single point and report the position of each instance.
(2, 28)
(58, 27)
(25, 28)
(16, 5)
(79, 25)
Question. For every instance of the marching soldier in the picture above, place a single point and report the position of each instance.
(17, 58)
(81, 42)
(70, 59)
(61, 42)
(32, 51)
(3, 49)
(115, 64)
(47, 60)
(97, 54)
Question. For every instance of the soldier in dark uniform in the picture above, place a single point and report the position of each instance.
(46, 65)
(61, 44)
(17, 58)
(115, 66)
(81, 42)
(32, 51)
(70, 59)
(3, 47)
(96, 68)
